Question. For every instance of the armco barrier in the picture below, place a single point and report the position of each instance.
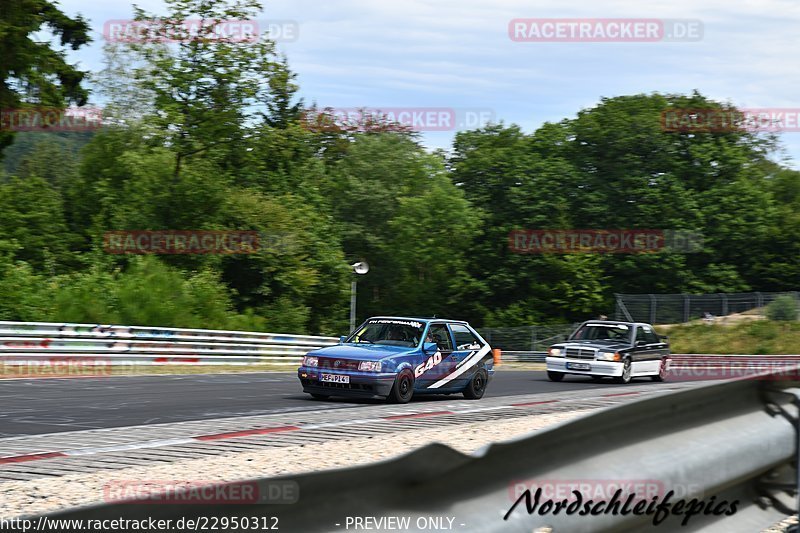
(727, 442)
(111, 344)
(523, 357)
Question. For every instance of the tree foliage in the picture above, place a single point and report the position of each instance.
(33, 72)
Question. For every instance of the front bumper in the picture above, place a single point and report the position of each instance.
(598, 368)
(362, 384)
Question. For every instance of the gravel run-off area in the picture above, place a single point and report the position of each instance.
(18, 498)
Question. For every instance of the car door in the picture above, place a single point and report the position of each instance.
(436, 366)
(647, 355)
(660, 348)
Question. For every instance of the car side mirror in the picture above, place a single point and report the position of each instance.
(430, 347)
(664, 338)
(342, 338)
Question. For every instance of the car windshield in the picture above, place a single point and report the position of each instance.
(389, 332)
(603, 332)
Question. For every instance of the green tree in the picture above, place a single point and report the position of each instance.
(23, 293)
(395, 208)
(34, 71)
(204, 87)
(297, 279)
(428, 242)
(784, 308)
(31, 214)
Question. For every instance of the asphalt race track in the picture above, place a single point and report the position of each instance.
(37, 406)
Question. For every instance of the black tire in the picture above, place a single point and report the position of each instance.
(627, 370)
(319, 396)
(662, 372)
(403, 388)
(477, 385)
(555, 376)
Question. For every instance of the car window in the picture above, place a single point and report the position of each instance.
(646, 334)
(439, 334)
(393, 332)
(650, 336)
(603, 332)
(464, 338)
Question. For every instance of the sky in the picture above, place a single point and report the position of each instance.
(456, 57)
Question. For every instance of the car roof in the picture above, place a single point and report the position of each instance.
(617, 322)
(420, 319)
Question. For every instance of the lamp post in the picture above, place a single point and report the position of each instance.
(359, 268)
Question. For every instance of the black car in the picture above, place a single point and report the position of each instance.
(605, 348)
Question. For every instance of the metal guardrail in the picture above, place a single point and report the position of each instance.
(523, 357)
(25, 342)
(726, 442)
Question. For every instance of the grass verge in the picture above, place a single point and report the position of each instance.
(764, 337)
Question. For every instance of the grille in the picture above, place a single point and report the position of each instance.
(581, 353)
(329, 363)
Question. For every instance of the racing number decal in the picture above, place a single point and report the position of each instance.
(432, 361)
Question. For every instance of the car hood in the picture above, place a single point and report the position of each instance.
(361, 352)
(606, 346)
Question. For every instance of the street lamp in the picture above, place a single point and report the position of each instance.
(359, 268)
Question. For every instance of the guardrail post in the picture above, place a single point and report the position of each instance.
(724, 304)
(621, 306)
(796, 295)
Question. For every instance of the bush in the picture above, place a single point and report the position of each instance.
(783, 308)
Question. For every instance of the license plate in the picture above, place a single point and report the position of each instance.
(579, 366)
(334, 378)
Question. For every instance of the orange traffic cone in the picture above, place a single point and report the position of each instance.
(496, 354)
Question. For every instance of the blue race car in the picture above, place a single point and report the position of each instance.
(397, 357)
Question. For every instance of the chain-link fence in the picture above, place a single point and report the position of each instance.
(679, 308)
(526, 338)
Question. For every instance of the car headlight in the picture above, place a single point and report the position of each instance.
(554, 352)
(609, 356)
(310, 361)
(370, 366)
